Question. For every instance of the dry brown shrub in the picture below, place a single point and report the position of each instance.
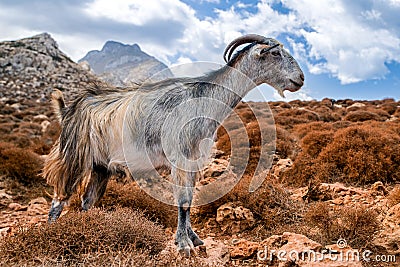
(131, 196)
(298, 103)
(20, 164)
(7, 110)
(289, 118)
(76, 235)
(341, 124)
(7, 127)
(397, 113)
(44, 144)
(18, 139)
(326, 114)
(384, 115)
(357, 225)
(30, 128)
(302, 173)
(286, 144)
(360, 154)
(362, 115)
(315, 141)
(345, 102)
(272, 206)
(246, 115)
(302, 130)
(390, 107)
(394, 196)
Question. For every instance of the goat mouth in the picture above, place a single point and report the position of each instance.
(298, 84)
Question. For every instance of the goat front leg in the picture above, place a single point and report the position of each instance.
(192, 235)
(56, 208)
(186, 239)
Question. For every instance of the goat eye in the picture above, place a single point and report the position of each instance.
(275, 53)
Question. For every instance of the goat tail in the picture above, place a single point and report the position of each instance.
(58, 103)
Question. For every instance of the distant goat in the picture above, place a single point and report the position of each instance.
(91, 147)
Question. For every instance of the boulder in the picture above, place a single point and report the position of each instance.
(233, 218)
(216, 251)
(389, 237)
(243, 249)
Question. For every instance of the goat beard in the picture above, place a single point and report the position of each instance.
(280, 91)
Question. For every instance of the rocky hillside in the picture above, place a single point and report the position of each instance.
(31, 67)
(121, 64)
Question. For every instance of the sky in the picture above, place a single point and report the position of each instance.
(347, 49)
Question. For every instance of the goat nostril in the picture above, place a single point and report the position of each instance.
(302, 77)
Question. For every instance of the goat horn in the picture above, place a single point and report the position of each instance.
(249, 38)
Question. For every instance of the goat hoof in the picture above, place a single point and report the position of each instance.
(197, 242)
(184, 252)
(185, 246)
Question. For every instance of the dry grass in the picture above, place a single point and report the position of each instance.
(357, 225)
(131, 196)
(19, 164)
(77, 237)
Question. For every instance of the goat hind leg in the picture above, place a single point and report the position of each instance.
(96, 187)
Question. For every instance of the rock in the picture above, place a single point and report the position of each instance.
(291, 241)
(17, 207)
(44, 125)
(39, 200)
(85, 65)
(389, 237)
(392, 219)
(233, 218)
(317, 192)
(356, 105)
(39, 118)
(216, 168)
(338, 201)
(243, 249)
(4, 194)
(217, 252)
(16, 106)
(5, 231)
(378, 189)
(32, 66)
(281, 166)
(38, 206)
(298, 194)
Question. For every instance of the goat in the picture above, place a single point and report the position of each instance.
(91, 148)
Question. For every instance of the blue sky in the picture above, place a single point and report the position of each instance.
(348, 49)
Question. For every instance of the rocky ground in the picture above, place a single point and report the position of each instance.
(237, 249)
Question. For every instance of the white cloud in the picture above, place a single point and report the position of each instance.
(353, 48)
(139, 12)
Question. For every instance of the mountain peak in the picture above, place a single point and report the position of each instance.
(121, 64)
(113, 46)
